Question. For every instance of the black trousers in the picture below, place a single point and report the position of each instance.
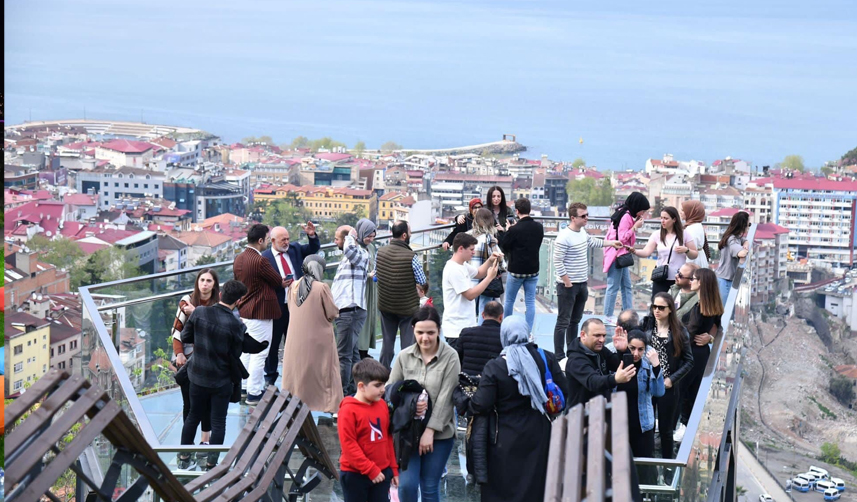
(206, 413)
(359, 488)
(643, 445)
(667, 407)
(278, 334)
(214, 399)
(690, 383)
(570, 304)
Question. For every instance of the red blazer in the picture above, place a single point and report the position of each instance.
(256, 273)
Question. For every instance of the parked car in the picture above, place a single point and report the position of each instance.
(765, 498)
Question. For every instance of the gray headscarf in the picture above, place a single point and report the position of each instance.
(514, 335)
(364, 229)
(313, 268)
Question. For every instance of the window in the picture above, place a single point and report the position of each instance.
(61, 349)
(136, 185)
(18, 350)
(29, 342)
(145, 185)
(18, 385)
(126, 185)
(61, 365)
(117, 185)
(157, 186)
(52, 352)
(72, 345)
(19, 367)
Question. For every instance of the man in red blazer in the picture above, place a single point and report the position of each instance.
(259, 307)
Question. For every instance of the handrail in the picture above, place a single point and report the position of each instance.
(146, 428)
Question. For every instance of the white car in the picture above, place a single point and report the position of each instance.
(765, 498)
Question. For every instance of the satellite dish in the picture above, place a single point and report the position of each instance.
(48, 233)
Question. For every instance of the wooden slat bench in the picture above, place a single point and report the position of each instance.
(255, 467)
(590, 454)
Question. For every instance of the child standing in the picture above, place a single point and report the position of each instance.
(368, 462)
(422, 292)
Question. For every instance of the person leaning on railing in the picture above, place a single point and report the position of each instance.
(206, 292)
(733, 247)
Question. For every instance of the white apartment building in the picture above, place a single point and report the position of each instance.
(770, 251)
(758, 200)
(449, 194)
(114, 184)
(820, 215)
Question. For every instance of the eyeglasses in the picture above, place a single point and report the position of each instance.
(584, 216)
(660, 308)
(678, 275)
(694, 278)
(477, 207)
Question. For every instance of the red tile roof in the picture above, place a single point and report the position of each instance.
(728, 212)
(81, 199)
(127, 146)
(333, 157)
(91, 247)
(768, 231)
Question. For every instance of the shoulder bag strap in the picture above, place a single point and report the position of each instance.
(548, 375)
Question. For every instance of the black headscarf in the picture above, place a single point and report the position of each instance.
(635, 203)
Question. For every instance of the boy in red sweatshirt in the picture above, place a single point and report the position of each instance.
(368, 462)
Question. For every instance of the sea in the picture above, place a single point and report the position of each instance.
(614, 83)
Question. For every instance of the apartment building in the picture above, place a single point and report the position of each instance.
(27, 340)
(820, 216)
(114, 184)
(769, 259)
(394, 206)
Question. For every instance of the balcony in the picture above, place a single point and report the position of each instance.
(704, 463)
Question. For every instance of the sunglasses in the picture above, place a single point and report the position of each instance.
(679, 275)
(477, 206)
(694, 278)
(584, 216)
(660, 308)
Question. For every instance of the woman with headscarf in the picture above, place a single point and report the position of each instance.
(310, 360)
(627, 219)
(512, 390)
(693, 214)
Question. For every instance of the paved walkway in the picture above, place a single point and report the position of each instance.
(746, 461)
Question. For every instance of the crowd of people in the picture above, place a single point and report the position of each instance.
(473, 365)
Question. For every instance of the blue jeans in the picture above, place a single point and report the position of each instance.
(422, 478)
(724, 286)
(513, 284)
(618, 279)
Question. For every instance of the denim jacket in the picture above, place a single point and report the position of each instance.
(648, 386)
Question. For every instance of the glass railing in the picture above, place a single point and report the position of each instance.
(127, 347)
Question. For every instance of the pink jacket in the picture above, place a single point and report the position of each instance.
(627, 236)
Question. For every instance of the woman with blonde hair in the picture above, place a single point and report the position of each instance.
(693, 214)
(487, 243)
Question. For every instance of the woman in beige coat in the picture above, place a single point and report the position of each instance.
(310, 359)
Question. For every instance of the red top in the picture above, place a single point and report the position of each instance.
(364, 435)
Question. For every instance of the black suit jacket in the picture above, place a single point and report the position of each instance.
(297, 253)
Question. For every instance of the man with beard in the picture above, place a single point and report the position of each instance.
(398, 271)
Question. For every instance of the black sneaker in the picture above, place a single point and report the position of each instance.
(186, 462)
(253, 399)
(211, 460)
(202, 455)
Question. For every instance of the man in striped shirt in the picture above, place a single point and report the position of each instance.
(571, 261)
(349, 294)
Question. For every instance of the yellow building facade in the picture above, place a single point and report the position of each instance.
(325, 203)
(28, 344)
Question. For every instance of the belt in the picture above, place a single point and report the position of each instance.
(523, 276)
(349, 309)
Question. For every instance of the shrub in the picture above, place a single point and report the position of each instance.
(842, 389)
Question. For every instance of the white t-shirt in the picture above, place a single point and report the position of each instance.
(696, 233)
(458, 311)
(676, 260)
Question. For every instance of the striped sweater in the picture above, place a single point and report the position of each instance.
(570, 256)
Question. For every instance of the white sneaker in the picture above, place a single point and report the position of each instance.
(678, 435)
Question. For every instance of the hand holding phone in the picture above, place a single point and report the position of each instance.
(628, 359)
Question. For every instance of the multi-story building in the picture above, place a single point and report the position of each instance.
(770, 250)
(820, 216)
(718, 197)
(123, 152)
(20, 177)
(479, 183)
(28, 344)
(114, 184)
(206, 243)
(758, 200)
(65, 347)
(555, 191)
(394, 206)
(172, 253)
(449, 195)
(25, 275)
(675, 190)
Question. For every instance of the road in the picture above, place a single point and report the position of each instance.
(754, 477)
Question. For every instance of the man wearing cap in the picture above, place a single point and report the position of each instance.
(463, 222)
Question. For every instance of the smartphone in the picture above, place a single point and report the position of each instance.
(628, 359)
(289, 277)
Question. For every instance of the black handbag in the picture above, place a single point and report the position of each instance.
(495, 287)
(181, 376)
(624, 260)
(662, 273)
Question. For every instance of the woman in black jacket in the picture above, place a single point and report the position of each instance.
(702, 323)
(672, 342)
(512, 386)
(463, 222)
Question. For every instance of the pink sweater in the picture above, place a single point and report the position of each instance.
(626, 235)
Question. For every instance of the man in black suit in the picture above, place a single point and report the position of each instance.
(288, 261)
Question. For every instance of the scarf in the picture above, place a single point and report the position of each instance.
(364, 228)
(635, 203)
(313, 268)
(514, 335)
(694, 212)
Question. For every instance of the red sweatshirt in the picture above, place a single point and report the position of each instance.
(364, 435)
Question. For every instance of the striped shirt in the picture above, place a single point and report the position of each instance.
(480, 252)
(571, 254)
(349, 283)
(419, 273)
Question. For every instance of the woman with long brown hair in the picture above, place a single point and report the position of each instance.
(670, 339)
(206, 292)
(487, 243)
(702, 323)
(733, 247)
(672, 245)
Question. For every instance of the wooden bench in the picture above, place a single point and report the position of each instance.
(255, 467)
(590, 456)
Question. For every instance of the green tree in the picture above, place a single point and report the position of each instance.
(205, 259)
(288, 213)
(326, 143)
(249, 139)
(591, 192)
(850, 158)
(349, 218)
(830, 453)
(300, 142)
(578, 163)
(390, 146)
(826, 171)
(62, 253)
(265, 139)
(842, 389)
(109, 264)
(359, 148)
(793, 162)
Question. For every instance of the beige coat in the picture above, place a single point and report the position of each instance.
(310, 359)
